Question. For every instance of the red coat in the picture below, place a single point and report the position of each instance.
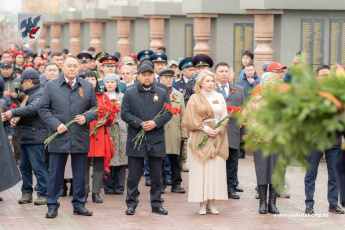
(98, 140)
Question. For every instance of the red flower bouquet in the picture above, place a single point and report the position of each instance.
(233, 111)
(166, 108)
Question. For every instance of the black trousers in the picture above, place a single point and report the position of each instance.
(175, 168)
(232, 169)
(134, 176)
(116, 182)
(57, 163)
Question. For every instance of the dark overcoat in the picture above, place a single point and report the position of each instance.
(235, 98)
(59, 105)
(138, 106)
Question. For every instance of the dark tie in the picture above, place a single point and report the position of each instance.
(71, 84)
(223, 91)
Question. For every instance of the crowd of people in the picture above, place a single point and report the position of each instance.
(40, 93)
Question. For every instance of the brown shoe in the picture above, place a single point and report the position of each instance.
(25, 199)
(185, 168)
(41, 201)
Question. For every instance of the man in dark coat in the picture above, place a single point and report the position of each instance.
(234, 96)
(139, 106)
(31, 135)
(66, 98)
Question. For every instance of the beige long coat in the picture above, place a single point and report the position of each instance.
(173, 131)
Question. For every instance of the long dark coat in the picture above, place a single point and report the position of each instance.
(8, 168)
(138, 106)
(59, 105)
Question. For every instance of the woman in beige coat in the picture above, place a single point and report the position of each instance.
(174, 133)
(207, 165)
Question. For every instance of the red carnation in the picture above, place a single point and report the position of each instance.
(13, 106)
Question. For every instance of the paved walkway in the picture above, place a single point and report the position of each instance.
(234, 214)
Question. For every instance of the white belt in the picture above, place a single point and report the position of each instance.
(209, 120)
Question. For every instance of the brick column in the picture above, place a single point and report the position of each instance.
(74, 42)
(156, 30)
(123, 32)
(202, 32)
(96, 33)
(42, 41)
(263, 34)
(55, 32)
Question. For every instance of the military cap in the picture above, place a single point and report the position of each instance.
(144, 68)
(171, 63)
(17, 70)
(100, 55)
(132, 55)
(84, 57)
(144, 54)
(159, 57)
(41, 64)
(202, 60)
(38, 55)
(109, 60)
(12, 49)
(18, 53)
(29, 64)
(185, 63)
(166, 72)
(127, 61)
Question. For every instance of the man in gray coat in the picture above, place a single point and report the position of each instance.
(66, 98)
(140, 105)
(234, 96)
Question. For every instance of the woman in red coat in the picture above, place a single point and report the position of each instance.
(99, 150)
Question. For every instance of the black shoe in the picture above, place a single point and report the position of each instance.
(1, 199)
(335, 209)
(272, 208)
(109, 193)
(168, 181)
(96, 198)
(130, 211)
(148, 182)
(242, 155)
(309, 209)
(52, 213)
(178, 189)
(262, 189)
(71, 188)
(82, 211)
(162, 200)
(160, 211)
(233, 195)
(118, 193)
(163, 190)
(36, 188)
(238, 189)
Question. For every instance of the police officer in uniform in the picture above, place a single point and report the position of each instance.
(200, 62)
(141, 56)
(84, 60)
(99, 66)
(108, 63)
(188, 71)
(159, 60)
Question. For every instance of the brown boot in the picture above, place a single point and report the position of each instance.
(26, 198)
(41, 201)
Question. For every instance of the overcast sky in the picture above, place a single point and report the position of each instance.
(11, 5)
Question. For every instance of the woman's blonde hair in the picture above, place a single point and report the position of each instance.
(130, 68)
(200, 78)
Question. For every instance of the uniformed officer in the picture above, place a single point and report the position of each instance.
(200, 62)
(144, 54)
(109, 66)
(188, 72)
(140, 104)
(99, 66)
(159, 60)
(84, 60)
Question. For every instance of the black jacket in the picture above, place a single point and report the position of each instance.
(31, 128)
(138, 106)
(59, 105)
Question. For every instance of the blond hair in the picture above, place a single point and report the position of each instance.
(130, 68)
(200, 78)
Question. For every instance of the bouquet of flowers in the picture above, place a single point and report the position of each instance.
(49, 139)
(166, 108)
(104, 112)
(306, 117)
(233, 111)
